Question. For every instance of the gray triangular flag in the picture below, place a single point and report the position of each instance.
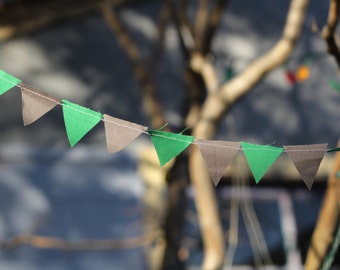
(35, 103)
(119, 133)
(307, 159)
(217, 155)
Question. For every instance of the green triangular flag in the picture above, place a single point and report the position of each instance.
(78, 121)
(260, 158)
(7, 82)
(168, 145)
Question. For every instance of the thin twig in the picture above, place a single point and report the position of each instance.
(151, 106)
(202, 16)
(164, 18)
(328, 31)
(25, 16)
(212, 25)
(45, 242)
(184, 28)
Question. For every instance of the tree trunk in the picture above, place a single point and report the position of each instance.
(216, 104)
(323, 234)
(177, 179)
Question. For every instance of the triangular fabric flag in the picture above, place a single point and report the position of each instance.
(119, 133)
(260, 158)
(307, 159)
(217, 156)
(7, 82)
(35, 103)
(168, 144)
(78, 121)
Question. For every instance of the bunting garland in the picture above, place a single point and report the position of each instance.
(120, 133)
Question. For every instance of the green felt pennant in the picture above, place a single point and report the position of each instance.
(78, 121)
(168, 145)
(260, 158)
(7, 82)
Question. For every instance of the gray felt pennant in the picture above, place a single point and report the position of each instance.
(119, 133)
(307, 159)
(35, 103)
(217, 156)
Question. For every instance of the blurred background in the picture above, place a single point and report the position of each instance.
(82, 208)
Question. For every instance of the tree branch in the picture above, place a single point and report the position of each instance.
(323, 234)
(216, 104)
(201, 20)
(45, 242)
(164, 18)
(212, 24)
(207, 20)
(220, 101)
(328, 31)
(183, 28)
(151, 106)
(205, 68)
(25, 16)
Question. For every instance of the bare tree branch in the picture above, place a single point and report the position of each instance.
(220, 101)
(216, 104)
(44, 242)
(196, 89)
(164, 18)
(328, 31)
(208, 17)
(183, 27)
(202, 16)
(25, 16)
(212, 24)
(323, 234)
(151, 106)
(204, 67)
(195, 96)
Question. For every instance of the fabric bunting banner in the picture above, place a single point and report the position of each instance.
(120, 133)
